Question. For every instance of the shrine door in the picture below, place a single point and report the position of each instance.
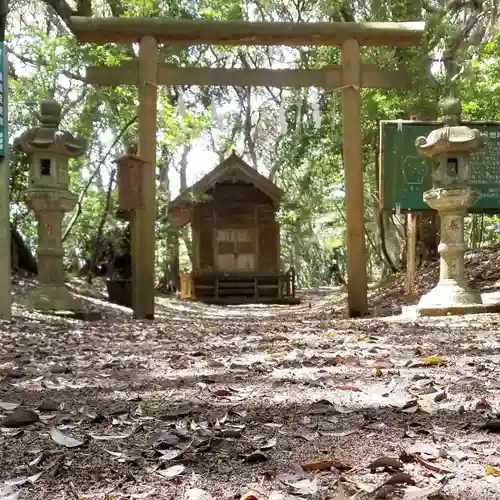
(235, 250)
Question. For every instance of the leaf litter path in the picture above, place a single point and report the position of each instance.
(217, 402)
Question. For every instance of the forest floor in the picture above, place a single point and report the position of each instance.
(253, 402)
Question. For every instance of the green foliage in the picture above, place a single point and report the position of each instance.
(306, 161)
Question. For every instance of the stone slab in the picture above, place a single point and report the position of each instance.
(416, 311)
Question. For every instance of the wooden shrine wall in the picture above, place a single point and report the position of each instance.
(236, 211)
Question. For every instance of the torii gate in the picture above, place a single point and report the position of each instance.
(147, 74)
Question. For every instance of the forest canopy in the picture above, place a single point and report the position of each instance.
(199, 126)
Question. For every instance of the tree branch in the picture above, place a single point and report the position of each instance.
(96, 170)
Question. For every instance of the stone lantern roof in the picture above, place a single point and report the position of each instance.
(451, 137)
(48, 137)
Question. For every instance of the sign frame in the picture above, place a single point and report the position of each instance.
(3, 100)
(386, 126)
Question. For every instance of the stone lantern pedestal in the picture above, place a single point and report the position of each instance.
(49, 197)
(452, 289)
(450, 148)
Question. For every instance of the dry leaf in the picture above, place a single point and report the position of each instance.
(8, 406)
(271, 443)
(255, 457)
(424, 448)
(7, 492)
(433, 361)
(489, 470)
(386, 463)
(37, 461)
(413, 493)
(116, 454)
(325, 465)
(400, 478)
(410, 406)
(197, 494)
(350, 388)
(384, 491)
(20, 480)
(109, 437)
(249, 495)
(492, 426)
(276, 495)
(173, 471)
(308, 435)
(426, 404)
(63, 440)
(171, 454)
(305, 487)
(222, 393)
(383, 363)
(20, 417)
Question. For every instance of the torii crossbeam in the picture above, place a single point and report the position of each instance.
(147, 74)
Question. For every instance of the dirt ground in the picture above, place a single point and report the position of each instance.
(265, 402)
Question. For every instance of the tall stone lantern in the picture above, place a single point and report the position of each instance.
(49, 197)
(450, 148)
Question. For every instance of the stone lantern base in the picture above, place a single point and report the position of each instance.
(451, 295)
(449, 292)
(56, 299)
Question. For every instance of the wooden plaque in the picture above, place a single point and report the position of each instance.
(130, 182)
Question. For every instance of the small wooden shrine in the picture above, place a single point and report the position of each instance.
(235, 237)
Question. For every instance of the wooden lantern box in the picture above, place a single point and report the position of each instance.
(129, 182)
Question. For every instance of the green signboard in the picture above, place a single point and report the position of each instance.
(405, 174)
(3, 101)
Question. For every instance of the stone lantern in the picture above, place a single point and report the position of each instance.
(450, 148)
(49, 197)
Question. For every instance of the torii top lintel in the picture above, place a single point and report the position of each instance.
(200, 32)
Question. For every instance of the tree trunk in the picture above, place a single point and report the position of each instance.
(95, 253)
(428, 237)
(22, 258)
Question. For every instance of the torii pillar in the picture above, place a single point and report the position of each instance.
(143, 219)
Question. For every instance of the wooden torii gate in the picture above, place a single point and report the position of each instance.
(146, 73)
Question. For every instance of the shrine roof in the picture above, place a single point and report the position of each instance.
(234, 168)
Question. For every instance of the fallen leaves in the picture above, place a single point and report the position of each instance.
(176, 408)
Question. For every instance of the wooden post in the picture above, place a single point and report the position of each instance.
(411, 257)
(5, 237)
(353, 179)
(144, 219)
(5, 242)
